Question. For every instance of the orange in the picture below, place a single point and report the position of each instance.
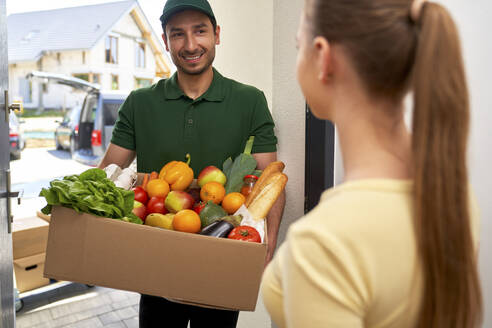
(213, 191)
(157, 187)
(187, 221)
(232, 202)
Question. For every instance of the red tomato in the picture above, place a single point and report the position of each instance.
(199, 207)
(156, 205)
(141, 195)
(245, 233)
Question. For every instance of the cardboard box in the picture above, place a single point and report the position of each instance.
(29, 272)
(191, 268)
(29, 236)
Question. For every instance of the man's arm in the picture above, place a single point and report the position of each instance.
(117, 155)
(275, 215)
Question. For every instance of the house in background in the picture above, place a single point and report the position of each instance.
(110, 44)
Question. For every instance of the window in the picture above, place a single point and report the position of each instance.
(82, 76)
(140, 54)
(96, 78)
(25, 88)
(114, 82)
(112, 50)
(142, 83)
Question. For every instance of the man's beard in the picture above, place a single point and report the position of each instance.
(199, 72)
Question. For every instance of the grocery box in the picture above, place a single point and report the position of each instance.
(29, 236)
(29, 272)
(185, 267)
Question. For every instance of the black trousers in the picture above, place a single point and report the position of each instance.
(158, 312)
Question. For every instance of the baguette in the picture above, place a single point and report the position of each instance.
(268, 195)
(272, 168)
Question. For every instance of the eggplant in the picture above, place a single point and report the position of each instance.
(219, 229)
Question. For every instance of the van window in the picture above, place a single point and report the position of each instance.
(89, 113)
(110, 110)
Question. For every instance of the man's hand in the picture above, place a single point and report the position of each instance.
(273, 224)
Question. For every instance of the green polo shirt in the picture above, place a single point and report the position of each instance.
(162, 124)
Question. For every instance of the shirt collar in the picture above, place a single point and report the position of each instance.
(214, 93)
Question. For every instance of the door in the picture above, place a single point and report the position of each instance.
(7, 319)
(320, 159)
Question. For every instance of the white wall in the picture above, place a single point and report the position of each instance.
(246, 52)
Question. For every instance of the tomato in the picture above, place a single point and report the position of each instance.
(156, 205)
(245, 233)
(199, 207)
(141, 195)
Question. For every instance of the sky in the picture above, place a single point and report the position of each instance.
(151, 8)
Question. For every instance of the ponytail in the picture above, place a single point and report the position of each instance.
(451, 296)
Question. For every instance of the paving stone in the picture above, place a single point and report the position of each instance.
(88, 323)
(33, 318)
(126, 313)
(61, 311)
(131, 323)
(93, 312)
(116, 325)
(118, 295)
(108, 318)
(65, 321)
(126, 303)
(46, 324)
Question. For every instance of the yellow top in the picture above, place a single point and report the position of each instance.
(350, 262)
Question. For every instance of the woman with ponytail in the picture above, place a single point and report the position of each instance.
(395, 245)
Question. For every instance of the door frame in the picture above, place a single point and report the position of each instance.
(7, 313)
(319, 159)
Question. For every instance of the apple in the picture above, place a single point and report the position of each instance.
(139, 209)
(156, 205)
(178, 200)
(160, 220)
(141, 195)
(211, 173)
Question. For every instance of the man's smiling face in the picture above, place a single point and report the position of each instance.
(191, 40)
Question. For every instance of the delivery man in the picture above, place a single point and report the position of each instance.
(200, 112)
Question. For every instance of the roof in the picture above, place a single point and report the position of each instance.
(76, 28)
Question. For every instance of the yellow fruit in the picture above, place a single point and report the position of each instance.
(160, 220)
(232, 202)
(187, 221)
(213, 191)
(157, 187)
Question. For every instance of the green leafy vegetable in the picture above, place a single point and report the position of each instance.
(132, 218)
(90, 192)
(244, 164)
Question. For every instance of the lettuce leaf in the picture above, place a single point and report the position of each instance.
(90, 192)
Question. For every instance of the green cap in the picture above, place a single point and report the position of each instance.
(174, 6)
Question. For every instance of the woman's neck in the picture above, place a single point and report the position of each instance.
(374, 143)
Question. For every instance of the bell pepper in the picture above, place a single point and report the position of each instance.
(178, 174)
